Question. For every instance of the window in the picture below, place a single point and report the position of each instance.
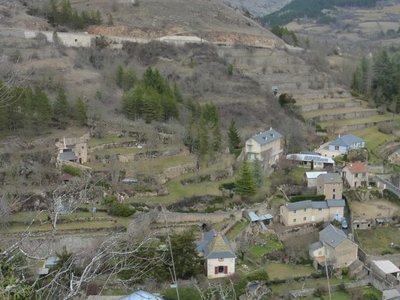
(305, 219)
(221, 269)
(305, 209)
(333, 196)
(294, 220)
(356, 175)
(336, 147)
(294, 211)
(319, 209)
(334, 190)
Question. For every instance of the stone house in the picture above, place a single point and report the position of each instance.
(309, 212)
(266, 147)
(330, 185)
(394, 158)
(356, 174)
(345, 143)
(73, 150)
(218, 253)
(334, 248)
(311, 178)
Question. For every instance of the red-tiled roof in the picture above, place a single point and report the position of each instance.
(358, 167)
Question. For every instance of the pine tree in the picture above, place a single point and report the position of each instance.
(203, 138)
(258, 173)
(246, 185)
(233, 136)
(61, 108)
(80, 112)
(42, 108)
(217, 138)
(119, 76)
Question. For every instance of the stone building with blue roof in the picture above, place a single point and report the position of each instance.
(308, 212)
(218, 254)
(334, 248)
(265, 146)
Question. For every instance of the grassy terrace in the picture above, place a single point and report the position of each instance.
(70, 222)
(237, 229)
(306, 101)
(272, 244)
(361, 121)
(377, 240)
(108, 139)
(286, 271)
(373, 137)
(335, 111)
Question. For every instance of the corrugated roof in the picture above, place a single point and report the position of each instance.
(267, 136)
(331, 178)
(314, 175)
(215, 245)
(141, 295)
(310, 158)
(332, 236)
(346, 140)
(253, 216)
(391, 294)
(386, 266)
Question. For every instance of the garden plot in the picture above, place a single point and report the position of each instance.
(378, 241)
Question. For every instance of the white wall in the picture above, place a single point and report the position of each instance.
(215, 262)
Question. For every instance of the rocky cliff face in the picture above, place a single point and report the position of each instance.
(258, 8)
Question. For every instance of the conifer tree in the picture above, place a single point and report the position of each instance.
(61, 108)
(233, 136)
(246, 185)
(258, 173)
(80, 112)
(216, 138)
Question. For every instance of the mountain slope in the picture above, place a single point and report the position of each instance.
(258, 8)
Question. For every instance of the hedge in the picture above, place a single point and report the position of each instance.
(307, 197)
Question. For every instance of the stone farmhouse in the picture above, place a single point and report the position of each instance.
(330, 185)
(218, 253)
(311, 160)
(308, 212)
(334, 248)
(355, 174)
(345, 143)
(73, 150)
(311, 178)
(266, 147)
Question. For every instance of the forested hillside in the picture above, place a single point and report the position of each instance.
(310, 9)
(378, 78)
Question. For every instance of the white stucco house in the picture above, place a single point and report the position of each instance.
(345, 143)
(218, 253)
(265, 146)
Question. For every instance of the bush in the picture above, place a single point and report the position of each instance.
(71, 170)
(386, 251)
(307, 197)
(260, 275)
(390, 196)
(368, 295)
(345, 271)
(121, 210)
(109, 199)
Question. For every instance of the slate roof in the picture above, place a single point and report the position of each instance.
(215, 245)
(253, 216)
(141, 295)
(315, 246)
(346, 140)
(336, 203)
(331, 178)
(315, 204)
(267, 137)
(332, 236)
(67, 156)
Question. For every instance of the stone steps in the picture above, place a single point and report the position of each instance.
(341, 113)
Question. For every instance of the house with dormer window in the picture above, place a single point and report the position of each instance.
(218, 254)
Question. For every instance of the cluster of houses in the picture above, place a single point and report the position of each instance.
(334, 248)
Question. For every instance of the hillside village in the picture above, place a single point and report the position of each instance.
(196, 165)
